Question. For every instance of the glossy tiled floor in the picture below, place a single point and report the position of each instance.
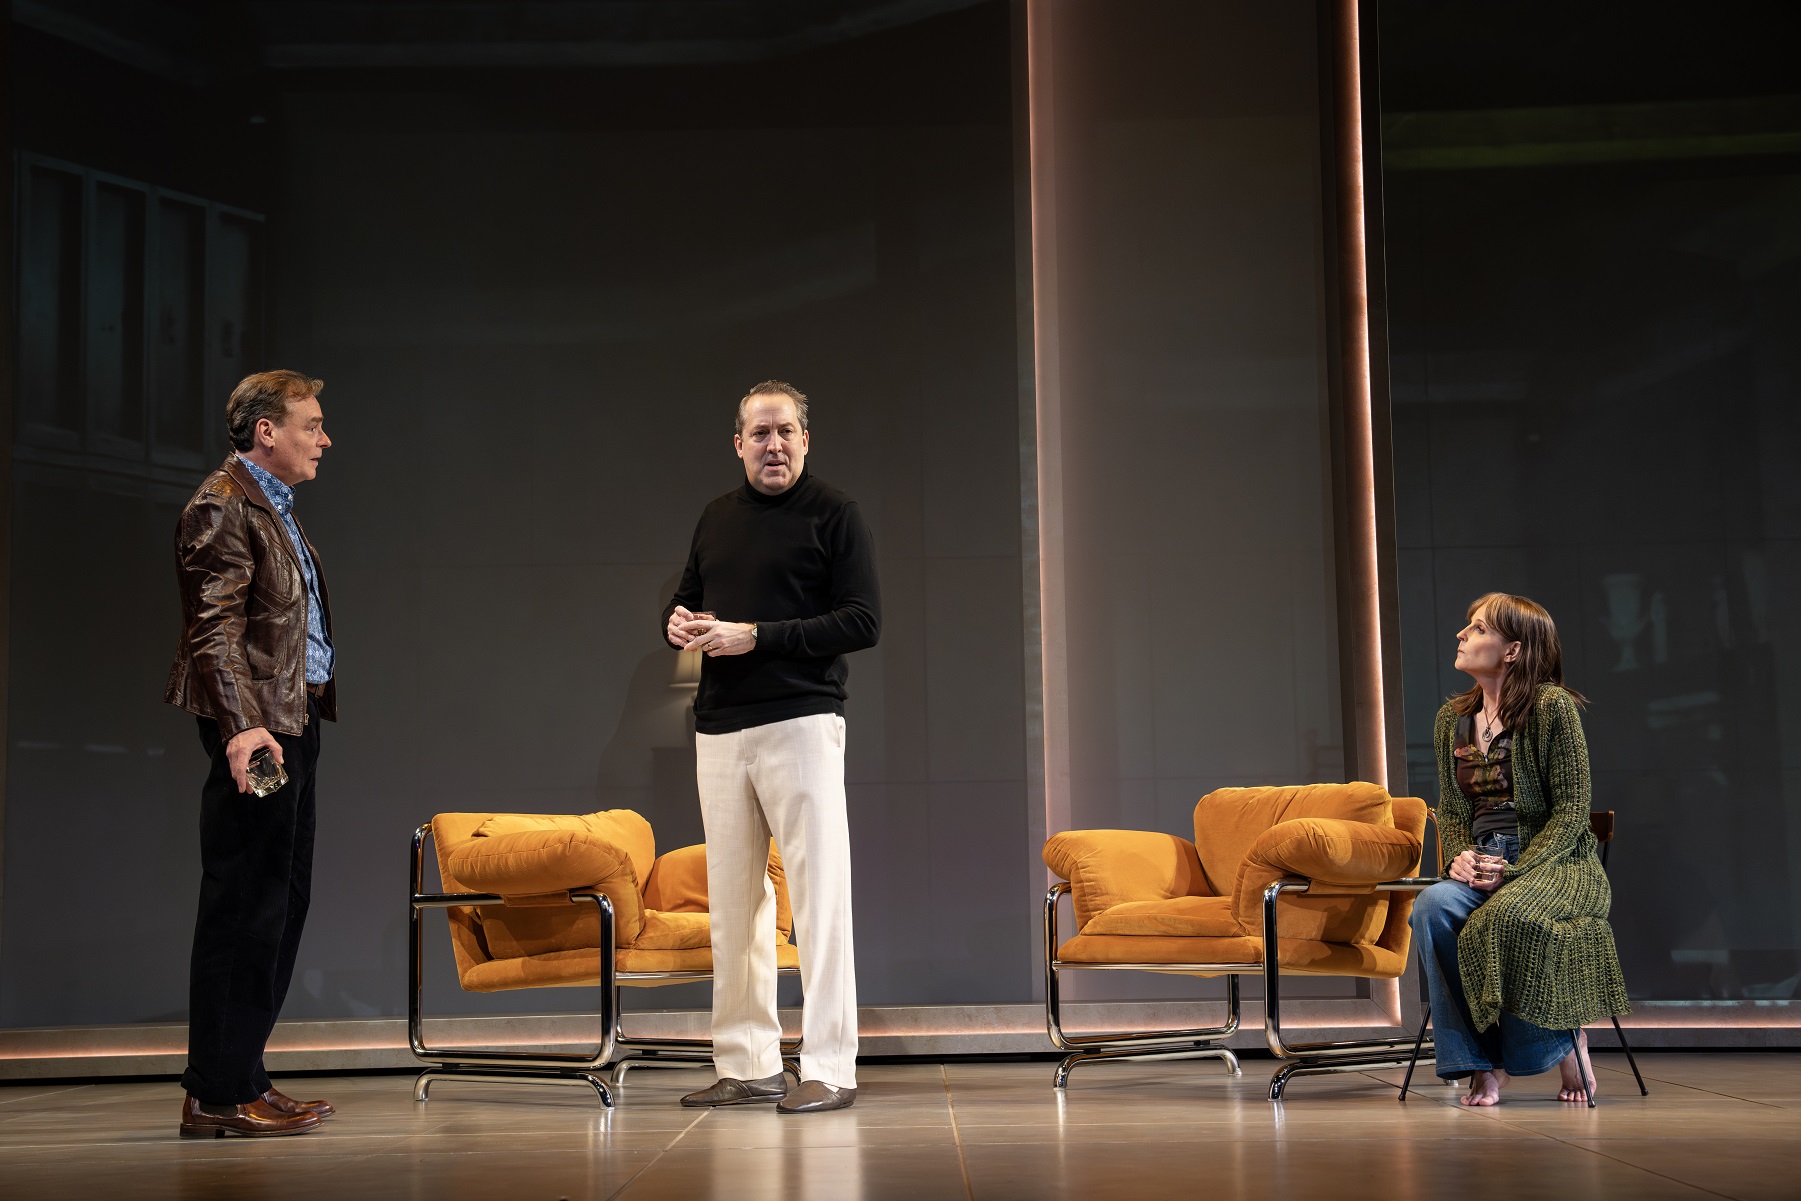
(1715, 1125)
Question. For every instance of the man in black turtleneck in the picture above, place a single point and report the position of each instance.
(780, 586)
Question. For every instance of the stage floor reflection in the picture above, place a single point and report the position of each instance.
(1714, 1125)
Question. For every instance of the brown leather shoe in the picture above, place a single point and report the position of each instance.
(255, 1120)
(728, 1091)
(282, 1103)
(816, 1096)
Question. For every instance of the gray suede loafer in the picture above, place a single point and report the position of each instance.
(727, 1091)
(816, 1096)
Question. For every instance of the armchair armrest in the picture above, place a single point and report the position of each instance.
(1337, 856)
(1108, 867)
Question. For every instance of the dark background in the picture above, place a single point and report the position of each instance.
(537, 251)
(1594, 233)
(535, 296)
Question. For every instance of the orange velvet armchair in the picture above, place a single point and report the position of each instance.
(1324, 872)
(546, 901)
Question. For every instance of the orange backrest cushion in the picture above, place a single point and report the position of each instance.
(678, 884)
(621, 828)
(1409, 816)
(1228, 820)
(519, 854)
(1344, 859)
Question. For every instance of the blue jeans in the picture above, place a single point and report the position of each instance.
(1514, 1045)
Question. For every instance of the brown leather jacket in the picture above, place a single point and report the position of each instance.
(241, 659)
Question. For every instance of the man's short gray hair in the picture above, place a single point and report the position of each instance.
(265, 394)
(775, 387)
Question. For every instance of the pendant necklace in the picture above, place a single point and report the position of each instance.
(1487, 731)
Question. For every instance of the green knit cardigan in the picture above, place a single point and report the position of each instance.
(1540, 947)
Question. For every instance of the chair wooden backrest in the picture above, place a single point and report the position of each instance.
(1600, 824)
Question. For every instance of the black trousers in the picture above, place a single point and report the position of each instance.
(256, 861)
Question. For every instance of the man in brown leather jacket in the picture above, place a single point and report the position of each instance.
(255, 666)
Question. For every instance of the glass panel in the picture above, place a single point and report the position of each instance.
(1193, 408)
(50, 301)
(178, 343)
(1201, 606)
(237, 312)
(1595, 376)
(115, 351)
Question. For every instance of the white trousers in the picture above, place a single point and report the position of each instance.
(786, 780)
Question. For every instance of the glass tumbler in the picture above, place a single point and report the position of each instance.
(266, 775)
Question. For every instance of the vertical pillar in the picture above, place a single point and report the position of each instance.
(1369, 591)
(1041, 424)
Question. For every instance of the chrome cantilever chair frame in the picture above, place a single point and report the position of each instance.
(1352, 1056)
(1207, 1043)
(1312, 1058)
(617, 1051)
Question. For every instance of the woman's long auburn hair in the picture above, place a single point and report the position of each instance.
(1540, 660)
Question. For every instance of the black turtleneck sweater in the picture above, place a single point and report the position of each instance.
(801, 565)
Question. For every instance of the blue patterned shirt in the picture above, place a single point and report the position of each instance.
(319, 653)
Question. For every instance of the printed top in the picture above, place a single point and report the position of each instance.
(1486, 779)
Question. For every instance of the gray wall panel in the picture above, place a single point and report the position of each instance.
(534, 318)
(1202, 614)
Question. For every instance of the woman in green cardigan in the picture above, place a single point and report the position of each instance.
(1515, 945)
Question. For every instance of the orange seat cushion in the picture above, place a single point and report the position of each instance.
(1183, 917)
(1140, 948)
(674, 931)
(539, 938)
(575, 969)
(1302, 957)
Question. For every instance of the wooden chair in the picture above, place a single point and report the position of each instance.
(1601, 824)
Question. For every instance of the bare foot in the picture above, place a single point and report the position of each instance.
(1485, 1088)
(1577, 1071)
